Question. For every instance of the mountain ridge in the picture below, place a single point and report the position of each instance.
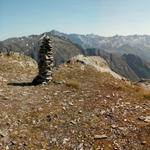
(134, 44)
(54, 31)
(116, 63)
(64, 49)
(29, 45)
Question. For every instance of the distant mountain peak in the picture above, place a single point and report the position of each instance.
(54, 31)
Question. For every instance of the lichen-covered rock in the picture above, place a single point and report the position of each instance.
(46, 62)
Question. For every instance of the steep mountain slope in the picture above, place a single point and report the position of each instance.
(116, 63)
(63, 48)
(82, 109)
(134, 44)
(139, 66)
(129, 65)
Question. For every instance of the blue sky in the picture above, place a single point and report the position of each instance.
(102, 17)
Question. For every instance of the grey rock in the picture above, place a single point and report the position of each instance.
(102, 112)
(114, 126)
(108, 96)
(71, 104)
(145, 119)
(80, 146)
(5, 139)
(143, 142)
(80, 111)
(103, 136)
(65, 140)
(81, 100)
(73, 122)
(3, 133)
(54, 140)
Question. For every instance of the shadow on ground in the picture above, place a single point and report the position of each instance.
(22, 84)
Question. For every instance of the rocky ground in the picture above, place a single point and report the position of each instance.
(82, 109)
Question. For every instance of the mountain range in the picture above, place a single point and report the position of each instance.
(120, 52)
(29, 45)
(133, 44)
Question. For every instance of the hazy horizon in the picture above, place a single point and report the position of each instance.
(99, 17)
(78, 34)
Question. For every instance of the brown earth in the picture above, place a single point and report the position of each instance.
(82, 109)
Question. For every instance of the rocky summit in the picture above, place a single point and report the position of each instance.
(45, 63)
(81, 109)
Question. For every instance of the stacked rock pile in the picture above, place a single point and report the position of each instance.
(45, 63)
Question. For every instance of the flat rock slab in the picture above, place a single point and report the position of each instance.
(98, 137)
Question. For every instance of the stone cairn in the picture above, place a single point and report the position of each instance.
(45, 63)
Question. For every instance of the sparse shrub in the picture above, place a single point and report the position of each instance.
(52, 82)
(73, 84)
(119, 88)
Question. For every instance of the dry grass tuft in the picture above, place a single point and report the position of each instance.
(134, 90)
(146, 95)
(73, 84)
